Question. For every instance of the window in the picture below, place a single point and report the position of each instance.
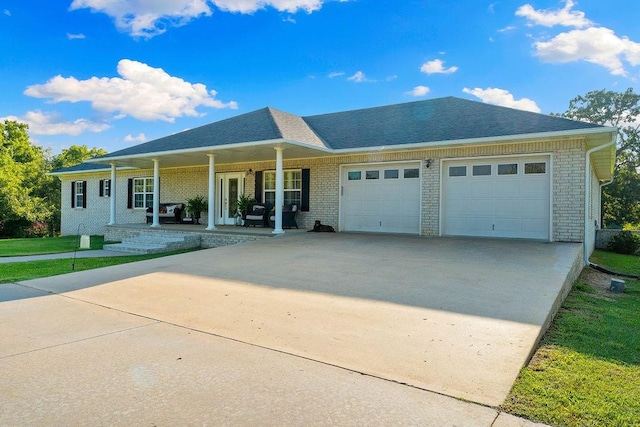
(105, 188)
(481, 170)
(531, 168)
(412, 173)
(508, 169)
(457, 171)
(143, 192)
(372, 175)
(77, 194)
(354, 176)
(292, 187)
(391, 174)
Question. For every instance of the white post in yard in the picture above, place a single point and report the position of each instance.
(277, 229)
(212, 183)
(156, 193)
(112, 194)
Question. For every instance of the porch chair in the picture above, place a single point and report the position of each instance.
(257, 216)
(289, 213)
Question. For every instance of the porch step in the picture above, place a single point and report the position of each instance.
(150, 242)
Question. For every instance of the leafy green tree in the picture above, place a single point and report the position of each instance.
(22, 173)
(620, 199)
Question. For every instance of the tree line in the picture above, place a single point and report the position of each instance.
(30, 198)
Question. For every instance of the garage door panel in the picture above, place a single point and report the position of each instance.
(390, 203)
(512, 204)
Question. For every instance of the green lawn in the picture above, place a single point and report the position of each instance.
(587, 369)
(18, 271)
(44, 245)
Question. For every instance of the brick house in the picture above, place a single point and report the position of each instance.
(439, 167)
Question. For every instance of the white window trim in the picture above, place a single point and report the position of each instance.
(145, 193)
(81, 194)
(264, 184)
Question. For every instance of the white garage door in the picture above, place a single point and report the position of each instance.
(381, 198)
(498, 197)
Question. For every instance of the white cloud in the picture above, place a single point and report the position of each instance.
(143, 92)
(140, 138)
(549, 18)
(335, 74)
(75, 36)
(507, 29)
(391, 78)
(250, 6)
(596, 45)
(6, 12)
(503, 98)
(359, 77)
(419, 91)
(52, 124)
(150, 18)
(437, 67)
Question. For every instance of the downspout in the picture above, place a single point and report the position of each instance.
(587, 193)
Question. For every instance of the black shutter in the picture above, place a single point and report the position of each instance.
(102, 188)
(84, 194)
(73, 194)
(108, 193)
(130, 193)
(306, 173)
(258, 191)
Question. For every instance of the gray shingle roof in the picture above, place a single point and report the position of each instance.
(89, 167)
(432, 120)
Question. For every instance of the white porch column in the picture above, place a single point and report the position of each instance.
(112, 194)
(279, 192)
(156, 193)
(212, 186)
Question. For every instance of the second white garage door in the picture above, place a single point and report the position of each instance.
(497, 197)
(381, 198)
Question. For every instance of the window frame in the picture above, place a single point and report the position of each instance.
(147, 196)
(79, 196)
(287, 191)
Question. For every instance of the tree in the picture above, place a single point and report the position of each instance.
(22, 174)
(620, 199)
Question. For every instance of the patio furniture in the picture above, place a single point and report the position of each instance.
(289, 213)
(168, 213)
(258, 216)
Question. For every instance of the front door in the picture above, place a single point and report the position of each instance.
(230, 187)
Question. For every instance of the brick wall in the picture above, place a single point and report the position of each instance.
(179, 184)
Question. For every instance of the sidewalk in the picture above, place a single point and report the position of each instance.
(65, 255)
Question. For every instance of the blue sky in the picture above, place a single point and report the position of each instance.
(112, 73)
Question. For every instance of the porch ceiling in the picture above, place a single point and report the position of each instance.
(236, 153)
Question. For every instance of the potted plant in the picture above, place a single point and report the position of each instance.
(245, 204)
(196, 206)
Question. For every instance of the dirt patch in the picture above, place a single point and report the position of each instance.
(598, 280)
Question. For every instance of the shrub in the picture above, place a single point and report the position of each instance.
(625, 242)
(38, 229)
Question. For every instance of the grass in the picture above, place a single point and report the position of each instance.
(586, 371)
(45, 245)
(18, 271)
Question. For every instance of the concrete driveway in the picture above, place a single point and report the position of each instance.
(280, 331)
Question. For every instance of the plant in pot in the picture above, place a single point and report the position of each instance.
(245, 204)
(196, 206)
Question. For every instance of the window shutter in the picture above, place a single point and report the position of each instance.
(84, 194)
(258, 191)
(102, 188)
(306, 173)
(73, 194)
(108, 193)
(130, 193)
